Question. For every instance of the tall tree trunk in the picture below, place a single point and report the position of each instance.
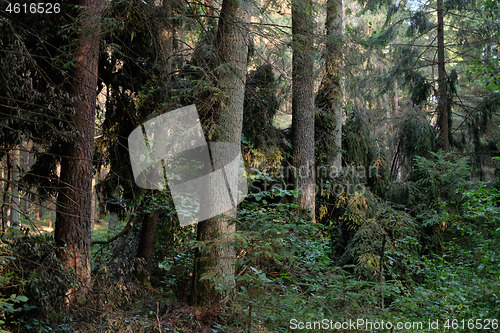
(442, 98)
(232, 49)
(73, 219)
(395, 110)
(303, 102)
(26, 162)
(333, 81)
(167, 46)
(5, 189)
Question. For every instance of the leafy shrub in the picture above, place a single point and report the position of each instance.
(30, 268)
(285, 269)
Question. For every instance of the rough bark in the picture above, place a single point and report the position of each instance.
(303, 102)
(73, 217)
(442, 98)
(232, 50)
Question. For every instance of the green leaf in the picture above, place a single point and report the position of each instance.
(22, 298)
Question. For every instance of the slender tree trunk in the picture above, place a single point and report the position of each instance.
(232, 49)
(73, 220)
(92, 205)
(334, 72)
(15, 204)
(395, 112)
(26, 162)
(4, 190)
(52, 208)
(40, 209)
(303, 102)
(396, 99)
(100, 195)
(442, 98)
(7, 202)
(167, 46)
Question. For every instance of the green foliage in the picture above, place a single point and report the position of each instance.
(356, 139)
(10, 305)
(35, 58)
(419, 24)
(432, 194)
(482, 206)
(438, 177)
(420, 88)
(33, 270)
(260, 106)
(284, 264)
(324, 126)
(175, 257)
(462, 282)
(414, 137)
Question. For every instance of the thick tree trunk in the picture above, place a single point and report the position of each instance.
(303, 102)
(232, 49)
(442, 98)
(73, 220)
(146, 245)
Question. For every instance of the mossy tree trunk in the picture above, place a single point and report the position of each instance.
(218, 259)
(330, 97)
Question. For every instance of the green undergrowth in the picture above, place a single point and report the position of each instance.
(288, 270)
